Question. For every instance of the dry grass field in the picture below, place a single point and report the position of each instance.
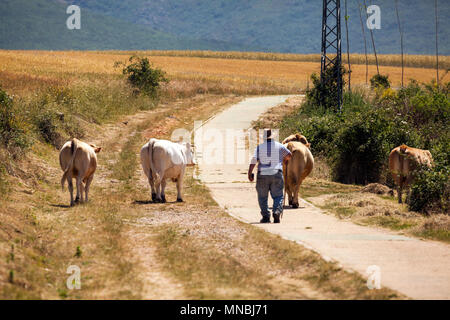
(416, 61)
(20, 70)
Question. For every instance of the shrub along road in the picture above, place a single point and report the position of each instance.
(416, 268)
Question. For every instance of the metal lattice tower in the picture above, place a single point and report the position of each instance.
(331, 46)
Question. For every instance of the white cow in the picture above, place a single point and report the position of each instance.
(162, 160)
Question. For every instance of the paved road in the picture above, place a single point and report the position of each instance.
(419, 269)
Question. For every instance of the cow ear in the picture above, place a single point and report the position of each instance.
(308, 145)
(289, 146)
(97, 149)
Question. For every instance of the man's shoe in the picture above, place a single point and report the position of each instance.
(265, 219)
(276, 218)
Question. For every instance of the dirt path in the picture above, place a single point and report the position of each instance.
(417, 268)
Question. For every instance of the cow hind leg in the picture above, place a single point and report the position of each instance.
(70, 187)
(399, 193)
(179, 188)
(152, 186)
(288, 192)
(163, 190)
(88, 185)
(295, 203)
(157, 183)
(79, 197)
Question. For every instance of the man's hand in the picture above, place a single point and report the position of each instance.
(250, 174)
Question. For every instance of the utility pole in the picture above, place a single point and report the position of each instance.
(437, 47)
(348, 49)
(365, 44)
(373, 40)
(401, 37)
(331, 47)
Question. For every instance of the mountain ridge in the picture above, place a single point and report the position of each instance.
(287, 26)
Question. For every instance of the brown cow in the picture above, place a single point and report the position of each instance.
(298, 167)
(78, 160)
(403, 160)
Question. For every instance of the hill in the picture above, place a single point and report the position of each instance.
(41, 24)
(292, 26)
(282, 25)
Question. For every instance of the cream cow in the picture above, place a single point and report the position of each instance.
(403, 161)
(298, 167)
(162, 160)
(78, 160)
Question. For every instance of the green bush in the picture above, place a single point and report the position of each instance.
(325, 94)
(47, 124)
(142, 75)
(12, 133)
(319, 130)
(360, 149)
(380, 81)
(430, 190)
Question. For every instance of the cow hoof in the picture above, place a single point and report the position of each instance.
(295, 205)
(163, 199)
(153, 197)
(179, 200)
(290, 202)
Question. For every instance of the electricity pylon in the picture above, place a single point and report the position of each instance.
(331, 47)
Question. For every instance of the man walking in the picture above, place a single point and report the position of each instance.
(269, 156)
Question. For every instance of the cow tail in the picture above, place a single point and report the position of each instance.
(294, 178)
(154, 174)
(73, 149)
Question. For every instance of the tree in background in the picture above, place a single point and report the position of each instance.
(142, 75)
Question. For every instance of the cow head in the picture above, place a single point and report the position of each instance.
(297, 137)
(96, 149)
(189, 152)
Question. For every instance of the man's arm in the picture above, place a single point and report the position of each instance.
(250, 170)
(252, 165)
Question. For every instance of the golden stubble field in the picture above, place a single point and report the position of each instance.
(33, 68)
